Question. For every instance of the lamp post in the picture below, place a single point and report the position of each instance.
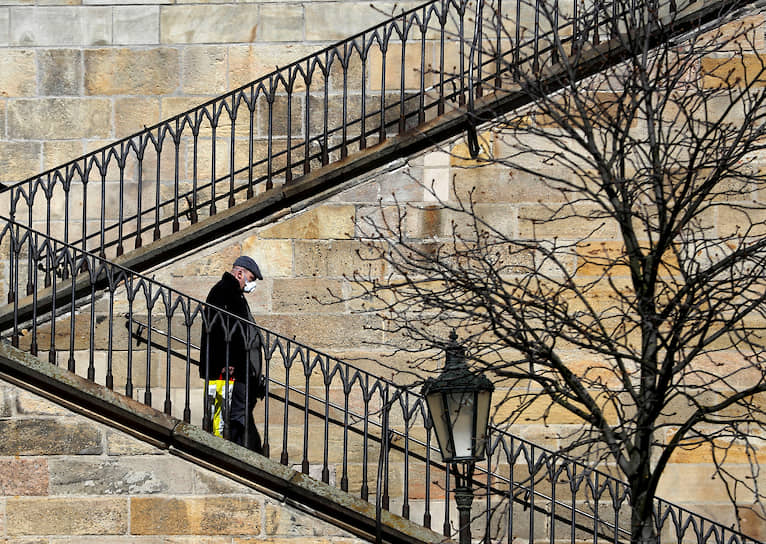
(458, 402)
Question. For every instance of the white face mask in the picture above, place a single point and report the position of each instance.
(249, 287)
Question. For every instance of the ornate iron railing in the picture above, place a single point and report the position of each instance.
(317, 110)
(345, 425)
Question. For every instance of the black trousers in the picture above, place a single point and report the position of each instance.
(241, 420)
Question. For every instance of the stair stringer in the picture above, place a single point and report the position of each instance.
(245, 484)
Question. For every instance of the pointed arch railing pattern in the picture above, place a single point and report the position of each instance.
(286, 124)
(344, 424)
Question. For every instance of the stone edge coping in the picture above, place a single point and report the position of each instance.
(191, 443)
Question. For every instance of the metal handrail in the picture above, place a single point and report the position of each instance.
(141, 301)
(152, 160)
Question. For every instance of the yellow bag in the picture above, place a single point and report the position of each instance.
(216, 392)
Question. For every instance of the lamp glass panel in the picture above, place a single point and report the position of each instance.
(483, 401)
(441, 426)
(461, 409)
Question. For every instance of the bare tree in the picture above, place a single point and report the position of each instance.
(658, 157)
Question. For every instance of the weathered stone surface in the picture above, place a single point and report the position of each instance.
(209, 483)
(18, 160)
(203, 70)
(133, 114)
(138, 25)
(202, 516)
(39, 119)
(7, 396)
(279, 521)
(535, 223)
(60, 72)
(59, 152)
(274, 257)
(61, 26)
(336, 259)
(123, 444)
(307, 295)
(66, 516)
(208, 23)
(23, 476)
(741, 70)
(281, 23)
(126, 71)
(49, 437)
(5, 15)
(18, 73)
(30, 404)
(249, 62)
(334, 21)
(123, 476)
(318, 223)
(327, 330)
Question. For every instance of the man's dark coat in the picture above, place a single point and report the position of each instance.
(244, 342)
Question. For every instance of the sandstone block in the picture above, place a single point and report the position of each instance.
(131, 115)
(327, 330)
(279, 116)
(362, 193)
(61, 25)
(60, 72)
(534, 223)
(401, 186)
(23, 476)
(203, 70)
(274, 257)
(210, 483)
(18, 73)
(128, 71)
(66, 516)
(59, 152)
(249, 62)
(326, 222)
(174, 105)
(64, 118)
(336, 258)
(122, 476)
(201, 516)
(281, 23)
(732, 71)
(123, 444)
(31, 404)
(7, 395)
(208, 23)
(495, 184)
(49, 437)
(19, 160)
(335, 21)
(5, 25)
(308, 295)
(199, 540)
(281, 521)
(136, 25)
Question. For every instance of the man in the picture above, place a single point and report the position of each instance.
(228, 348)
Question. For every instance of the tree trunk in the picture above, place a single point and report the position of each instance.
(643, 529)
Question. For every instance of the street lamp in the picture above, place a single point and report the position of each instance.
(458, 402)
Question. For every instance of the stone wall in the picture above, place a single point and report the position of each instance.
(77, 75)
(67, 479)
(117, 68)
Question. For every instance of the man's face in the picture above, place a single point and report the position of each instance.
(243, 276)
